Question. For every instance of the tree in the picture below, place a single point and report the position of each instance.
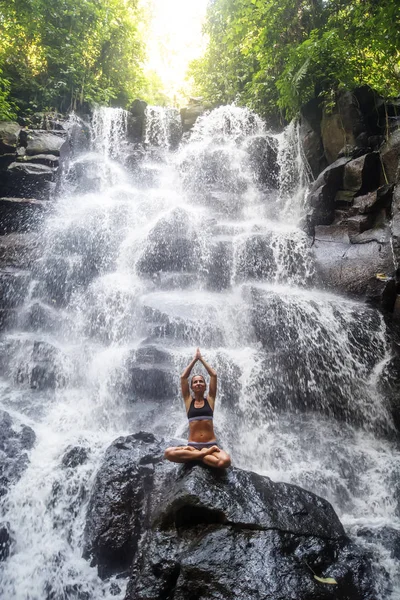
(277, 54)
(58, 55)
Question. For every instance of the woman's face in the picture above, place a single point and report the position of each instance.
(198, 383)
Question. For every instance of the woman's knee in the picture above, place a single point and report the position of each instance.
(224, 462)
(169, 453)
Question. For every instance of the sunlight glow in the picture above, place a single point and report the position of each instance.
(174, 39)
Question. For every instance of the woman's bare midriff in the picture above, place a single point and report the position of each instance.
(201, 431)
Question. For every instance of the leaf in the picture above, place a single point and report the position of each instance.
(329, 580)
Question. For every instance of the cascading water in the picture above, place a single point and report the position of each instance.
(146, 256)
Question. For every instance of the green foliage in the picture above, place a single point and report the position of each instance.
(281, 53)
(59, 55)
(7, 107)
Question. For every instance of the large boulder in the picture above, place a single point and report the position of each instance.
(5, 541)
(191, 532)
(21, 214)
(322, 195)
(395, 223)
(43, 142)
(170, 246)
(27, 180)
(148, 374)
(306, 341)
(14, 285)
(352, 268)
(362, 174)
(16, 439)
(9, 136)
(342, 126)
(41, 366)
(390, 156)
(310, 138)
(263, 158)
(190, 113)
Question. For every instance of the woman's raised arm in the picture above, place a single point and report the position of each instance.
(184, 378)
(212, 392)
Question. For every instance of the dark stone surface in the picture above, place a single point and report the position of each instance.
(77, 455)
(21, 214)
(44, 142)
(362, 174)
(351, 268)
(310, 137)
(389, 385)
(147, 374)
(390, 153)
(170, 246)
(138, 108)
(221, 262)
(13, 288)
(262, 155)
(44, 367)
(190, 114)
(341, 126)
(187, 531)
(49, 160)
(9, 136)
(301, 372)
(177, 329)
(322, 195)
(5, 541)
(26, 180)
(135, 128)
(386, 536)
(16, 440)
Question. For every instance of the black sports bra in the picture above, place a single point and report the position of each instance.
(200, 414)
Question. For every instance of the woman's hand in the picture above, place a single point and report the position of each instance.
(198, 354)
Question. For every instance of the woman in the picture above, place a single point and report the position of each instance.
(202, 444)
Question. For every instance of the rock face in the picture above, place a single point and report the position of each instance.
(15, 441)
(352, 203)
(190, 113)
(187, 531)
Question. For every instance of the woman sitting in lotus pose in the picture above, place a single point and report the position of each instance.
(202, 444)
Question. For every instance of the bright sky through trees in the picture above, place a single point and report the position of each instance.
(174, 38)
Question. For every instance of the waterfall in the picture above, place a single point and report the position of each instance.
(146, 255)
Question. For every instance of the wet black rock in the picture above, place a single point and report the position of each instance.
(21, 214)
(170, 246)
(43, 367)
(212, 169)
(16, 440)
(187, 531)
(323, 192)
(192, 329)
(362, 174)
(388, 537)
(5, 541)
(77, 455)
(9, 135)
(263, 158)
(305, 373)
(43, 142)
(147, 373)
(190, 114)
(14, 286)
(310, 136)
(27, 180)
(49, 160)
(341, 125)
